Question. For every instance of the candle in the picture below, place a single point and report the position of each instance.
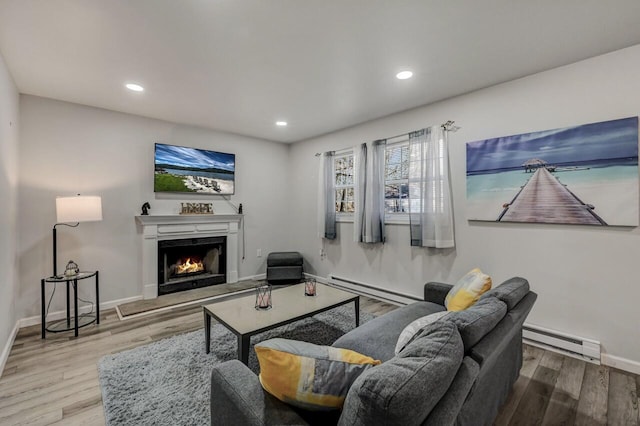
(310, 288)
(265, 300)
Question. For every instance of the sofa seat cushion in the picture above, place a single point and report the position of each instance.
(309, 376)
(510, 291)
(403, 390)
(378, 337)
(477, 321)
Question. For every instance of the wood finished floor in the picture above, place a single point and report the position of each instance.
(55, 381)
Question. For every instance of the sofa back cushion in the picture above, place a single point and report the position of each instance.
(377, 338)
(510, 291)
(405, 389)
(475, 322)
(412, 331)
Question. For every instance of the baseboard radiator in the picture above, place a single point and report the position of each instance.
(553, 340)
(567, 344)
(394, 297)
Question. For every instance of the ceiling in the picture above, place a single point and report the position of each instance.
(320, 65)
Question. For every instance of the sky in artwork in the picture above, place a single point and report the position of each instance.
(589, 142)
(192, 157)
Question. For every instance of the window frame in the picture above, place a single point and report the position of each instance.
(400, 218)
(343, 216)
(392, 218)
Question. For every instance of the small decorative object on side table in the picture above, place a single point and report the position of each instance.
(310, 287)
(72, 269)
(263, 297)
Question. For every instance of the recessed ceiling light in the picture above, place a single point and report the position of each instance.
(403, 75)
(281, 123)
(134, 87)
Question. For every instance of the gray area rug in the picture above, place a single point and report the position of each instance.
(168, 382)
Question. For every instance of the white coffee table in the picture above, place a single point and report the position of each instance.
(289, 304)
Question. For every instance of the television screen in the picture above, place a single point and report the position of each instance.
(182, 169)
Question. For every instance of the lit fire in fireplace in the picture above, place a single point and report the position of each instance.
(189, 266)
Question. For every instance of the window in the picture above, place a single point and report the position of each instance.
(396, 178)
(343, 168)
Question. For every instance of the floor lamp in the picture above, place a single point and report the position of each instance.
(70, 211)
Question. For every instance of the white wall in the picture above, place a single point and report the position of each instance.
(586, 278)
(68, 148)
(9, 101)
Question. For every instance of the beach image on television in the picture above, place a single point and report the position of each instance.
(585, 174)
(182, 169)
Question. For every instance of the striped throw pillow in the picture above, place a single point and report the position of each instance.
(467, 290)
(309, 376)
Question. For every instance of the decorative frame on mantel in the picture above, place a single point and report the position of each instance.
(154, 228)
(585, 175)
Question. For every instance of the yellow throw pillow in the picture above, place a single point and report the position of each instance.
(309, 376)
(467, 290)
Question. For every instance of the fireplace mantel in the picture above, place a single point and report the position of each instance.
(167, 227)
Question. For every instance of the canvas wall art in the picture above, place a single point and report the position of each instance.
(585, 174)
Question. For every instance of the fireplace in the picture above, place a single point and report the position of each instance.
(157, 229)
(189, 263)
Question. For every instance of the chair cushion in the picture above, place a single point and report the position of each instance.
(284, 258)
(309, 376)
(467, 290)
(510, 292)
(475, 322)
(403, 390)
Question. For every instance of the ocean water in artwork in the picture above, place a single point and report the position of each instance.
(604, 185)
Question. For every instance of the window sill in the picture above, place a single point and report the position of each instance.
(396, 219)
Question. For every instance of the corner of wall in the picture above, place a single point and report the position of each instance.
(9, 112)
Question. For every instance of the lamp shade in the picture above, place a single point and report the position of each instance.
(78, 209)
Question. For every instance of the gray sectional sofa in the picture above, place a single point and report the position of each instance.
(457, 371)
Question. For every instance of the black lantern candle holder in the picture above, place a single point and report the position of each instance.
(263, 297)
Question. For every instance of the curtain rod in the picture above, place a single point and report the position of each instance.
(447, 126)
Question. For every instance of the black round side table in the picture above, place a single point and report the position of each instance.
(70, 323)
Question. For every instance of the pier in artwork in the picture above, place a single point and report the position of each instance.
(545, 199)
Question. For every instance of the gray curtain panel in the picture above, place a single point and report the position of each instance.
(369, 192)
(359, 189)
(326, 198)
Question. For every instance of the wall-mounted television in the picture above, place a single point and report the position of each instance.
(194, 170)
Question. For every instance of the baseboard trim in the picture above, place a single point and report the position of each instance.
(7, 348)
(58, 315)
(620, 363)
(372, 291)
(358, 290)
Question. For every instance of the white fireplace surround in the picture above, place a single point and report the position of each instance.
(174, 227)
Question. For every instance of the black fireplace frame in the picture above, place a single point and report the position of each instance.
(189, 282)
